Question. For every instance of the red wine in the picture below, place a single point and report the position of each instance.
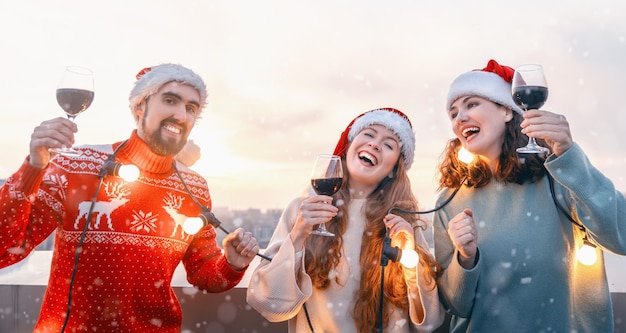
(74, 101)
(530, 97)
(326, 186)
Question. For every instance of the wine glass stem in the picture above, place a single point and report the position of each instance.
(531, 140)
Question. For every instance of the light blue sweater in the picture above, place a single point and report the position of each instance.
(527, 278)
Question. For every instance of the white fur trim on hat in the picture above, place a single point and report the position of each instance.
(484, 84)
(394, 122)
(157, 76)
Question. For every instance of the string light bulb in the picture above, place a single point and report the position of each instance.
(465, 156)
(193, 224)
(587, 254)
(408, 257)
(128, 172)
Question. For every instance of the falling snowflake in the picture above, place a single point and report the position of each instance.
(143, 222)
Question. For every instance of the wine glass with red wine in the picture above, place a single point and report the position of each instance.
(326, 180)
(75, 93)
(530, 91)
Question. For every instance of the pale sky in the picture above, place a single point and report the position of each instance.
(286, 77)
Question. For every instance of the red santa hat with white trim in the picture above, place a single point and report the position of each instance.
(391, 118)
(492, 82)
(151, 79)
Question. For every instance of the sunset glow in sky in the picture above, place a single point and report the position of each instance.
(286, 77)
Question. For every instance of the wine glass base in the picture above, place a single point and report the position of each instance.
(532, 150)
(322, 233)
(71, 152)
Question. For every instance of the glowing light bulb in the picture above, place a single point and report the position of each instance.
(465, 156)
(587, 255)
(129, 172)
(409, 258)
(193, 224)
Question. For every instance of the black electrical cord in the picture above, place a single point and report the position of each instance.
(550, 181)
(101, 174)
(560, 207)
(384, 260)
(387, 243)
(212, 219)
(443, 204)
(77, 256)
(217, 224)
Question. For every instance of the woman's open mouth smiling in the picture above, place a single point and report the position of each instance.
(368, 158)
(469, 131)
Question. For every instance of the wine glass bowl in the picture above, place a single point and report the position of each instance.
(530, 91)
(74, 101)
(74, 93)
(326, 179)
(326, 186)
(530, 97)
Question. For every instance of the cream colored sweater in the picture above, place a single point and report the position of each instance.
(279, 288)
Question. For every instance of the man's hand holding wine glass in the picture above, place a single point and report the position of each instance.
(53, 133)
(74, 93)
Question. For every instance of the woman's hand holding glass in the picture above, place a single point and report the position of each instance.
(314, 210)
(551, 127)
(530, 91)
(326, 179)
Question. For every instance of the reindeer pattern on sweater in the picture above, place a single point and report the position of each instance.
(130, 248)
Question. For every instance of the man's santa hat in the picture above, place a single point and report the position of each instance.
(151, 79)
(492, 82)
(393, 119)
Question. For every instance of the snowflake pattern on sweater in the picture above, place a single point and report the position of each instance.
(133, 243)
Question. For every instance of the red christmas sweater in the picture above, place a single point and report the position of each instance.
(131, 248)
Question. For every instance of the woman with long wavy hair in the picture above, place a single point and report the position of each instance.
(333, 284)
(507, 241)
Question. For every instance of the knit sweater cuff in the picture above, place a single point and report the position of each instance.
(29, 178)
(230, 273)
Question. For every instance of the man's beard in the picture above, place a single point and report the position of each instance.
(161, 146)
